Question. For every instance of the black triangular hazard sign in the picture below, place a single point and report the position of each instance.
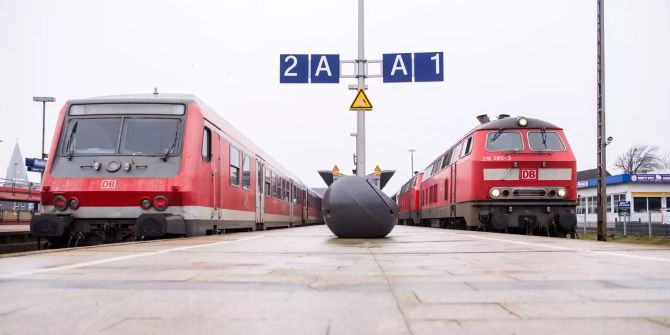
(361, 102)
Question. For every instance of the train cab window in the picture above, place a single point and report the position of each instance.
(207, 145)
(447, 159)
(455, 152)
(504, 141)
(467, 147)
(246, 171)
(234, 166)
(545, 141)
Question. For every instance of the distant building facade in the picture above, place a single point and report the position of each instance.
(648, 194)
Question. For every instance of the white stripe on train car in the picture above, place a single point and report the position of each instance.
(131, 212)
(501, 174)
(554, 174)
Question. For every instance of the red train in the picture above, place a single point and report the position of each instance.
(132, 166)
(511, 174)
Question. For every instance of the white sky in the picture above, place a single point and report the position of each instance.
(521, 57)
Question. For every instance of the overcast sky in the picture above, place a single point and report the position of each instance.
(535, 58)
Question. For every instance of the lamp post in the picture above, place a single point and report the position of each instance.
(43, 100)
(602, 159)
(411, 155)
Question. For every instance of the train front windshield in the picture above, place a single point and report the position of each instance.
(121, 135)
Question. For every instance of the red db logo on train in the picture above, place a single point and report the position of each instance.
(528, 174)
(108, 184)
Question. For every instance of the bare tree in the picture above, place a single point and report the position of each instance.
(666, 160)
(640, 159)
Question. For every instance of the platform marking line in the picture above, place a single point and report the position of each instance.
(115, 259)
(609, 253)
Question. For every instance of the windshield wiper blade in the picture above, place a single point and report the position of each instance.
(69, 150)
(544, 137)
(496, 135)
(173, 145)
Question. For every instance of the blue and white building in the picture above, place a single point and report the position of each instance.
(648, 194)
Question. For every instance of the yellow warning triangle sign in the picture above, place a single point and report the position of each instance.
(361, 102)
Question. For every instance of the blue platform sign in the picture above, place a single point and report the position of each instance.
(397, 67)
(36, 164)
(325, 68)
(429, 66)
(294, 69)
(623, 204)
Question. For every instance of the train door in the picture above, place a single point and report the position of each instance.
(304, 206)
(217, 162)
(260, 198)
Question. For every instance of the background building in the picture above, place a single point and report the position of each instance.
(649, 195)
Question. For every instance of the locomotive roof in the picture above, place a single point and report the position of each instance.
(212, 115)
(511, 122)
(137, 98)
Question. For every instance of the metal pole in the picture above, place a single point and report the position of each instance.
(411, 152)
(602, 161)
(360, 115)
(649, 223)
(43, 125)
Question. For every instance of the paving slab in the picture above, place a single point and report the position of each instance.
(306, 281)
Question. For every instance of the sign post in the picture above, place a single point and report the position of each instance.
(395, 67)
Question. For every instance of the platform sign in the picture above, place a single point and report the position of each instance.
(624, 207)
(397, 68)
(361, 102)
(325, 68)
(294, 69)
(36, 164)
(429, 66)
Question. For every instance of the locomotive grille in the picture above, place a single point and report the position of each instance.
(529, 193)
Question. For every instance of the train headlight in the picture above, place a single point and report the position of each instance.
(494, 193)
(60, 203)
(73, 203)
(522, 121)
(562, 192)
(145, 203)
(160, 203)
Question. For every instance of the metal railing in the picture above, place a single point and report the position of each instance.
(19, 186)
(642, 224)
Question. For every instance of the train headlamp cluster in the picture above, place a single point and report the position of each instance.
(522, 121)
(62, 204)
(502, 192)
(159, 203)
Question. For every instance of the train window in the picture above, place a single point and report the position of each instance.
(455, 152)
(164, 137)
(234, 166)
(92, 136)
(207, 145)
(246, 171)
(268, 182)
(545, 141)
(504, 141)
(467, 148)
(447, 159)
(435, 193)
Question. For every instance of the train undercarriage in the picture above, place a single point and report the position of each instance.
(527, 218)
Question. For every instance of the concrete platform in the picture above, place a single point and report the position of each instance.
(305, 281)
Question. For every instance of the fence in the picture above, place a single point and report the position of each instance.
(18, 186)
(644, 224)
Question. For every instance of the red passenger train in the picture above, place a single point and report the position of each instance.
(511, 174)
(132, 166)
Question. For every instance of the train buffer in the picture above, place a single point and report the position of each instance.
(307, 281)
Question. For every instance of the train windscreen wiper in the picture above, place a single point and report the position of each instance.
(69, 150)
(496, 135)
(544, 137)
(173, 145)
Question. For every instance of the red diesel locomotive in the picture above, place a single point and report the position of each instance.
(132, 166)
(511, 174)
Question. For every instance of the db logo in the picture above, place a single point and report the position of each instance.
(528, 174)
(108, 184)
